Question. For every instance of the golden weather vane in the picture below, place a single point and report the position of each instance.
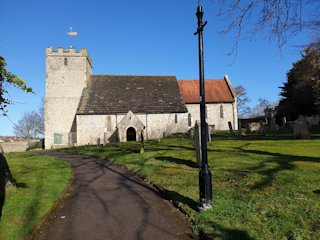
(71, 34)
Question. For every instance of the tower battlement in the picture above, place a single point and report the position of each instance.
(68, 52)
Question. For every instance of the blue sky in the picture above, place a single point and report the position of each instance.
(134, 37)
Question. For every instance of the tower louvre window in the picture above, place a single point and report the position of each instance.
(176, 118)
(65, 61)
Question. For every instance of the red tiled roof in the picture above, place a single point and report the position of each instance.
(216, 90)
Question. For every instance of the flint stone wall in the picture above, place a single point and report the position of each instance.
(213, 115)
(14, 146)
(92, 127)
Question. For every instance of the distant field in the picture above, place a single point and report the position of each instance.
(263, 187)
(40, 181)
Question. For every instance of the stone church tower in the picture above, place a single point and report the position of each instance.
(67, 72)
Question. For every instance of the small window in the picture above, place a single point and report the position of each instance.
(176, 118)
(57, 138)
(189, 119)
(65, 61)
(221, 111)
(108, 123)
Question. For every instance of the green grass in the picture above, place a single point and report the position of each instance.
(40, 181)
(263, 187)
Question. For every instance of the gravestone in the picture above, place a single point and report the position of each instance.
(6, 179)
(197, 139)
(208, 132)
(142, 142)
(230, 129)
(262, 130)
(98, 142)
(284, 121)
(253, 127)
(239, 129)
(301, 130)
(273, 124)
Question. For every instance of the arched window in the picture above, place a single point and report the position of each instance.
(176, 118)
(221, 111)
(108, 123)
(65, 61)
(189, 119)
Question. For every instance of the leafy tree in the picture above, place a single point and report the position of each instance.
(242, 100)
(8, 79)
(301, 93)
(272, 19)
(29, 126)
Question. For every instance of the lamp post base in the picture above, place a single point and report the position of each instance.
(205, 189)
(205, 206)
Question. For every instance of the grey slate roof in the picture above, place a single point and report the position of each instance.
(111, 94)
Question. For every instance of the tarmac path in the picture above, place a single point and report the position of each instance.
(107, 202)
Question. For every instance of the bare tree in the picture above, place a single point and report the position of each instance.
(273, 19)
(41, 119)
(29, 126)
(258, 110)
(242, 100)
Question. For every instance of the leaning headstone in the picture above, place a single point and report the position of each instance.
(239, 129)
(230, 128)
(197, 143)
(301, 130)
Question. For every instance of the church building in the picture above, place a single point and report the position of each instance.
(82, 108)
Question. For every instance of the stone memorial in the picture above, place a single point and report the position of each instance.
(142, 142)
(239, 129)
(301, 130)
(253, 127)
(262, 130)
(6, 179)
(230, 129)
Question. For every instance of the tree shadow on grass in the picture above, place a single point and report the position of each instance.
(226, 233)
(188, 163)
(166, 194)
(283, 161)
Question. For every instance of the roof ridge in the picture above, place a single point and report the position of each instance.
(198, 79)
(121, 75)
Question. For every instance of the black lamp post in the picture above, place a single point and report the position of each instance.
(205, 184)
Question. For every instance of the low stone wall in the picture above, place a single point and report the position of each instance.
(14, 146)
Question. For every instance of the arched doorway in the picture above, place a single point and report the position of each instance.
(131, 134)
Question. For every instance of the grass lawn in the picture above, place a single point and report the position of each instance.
(40, 181)
(263, 187)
